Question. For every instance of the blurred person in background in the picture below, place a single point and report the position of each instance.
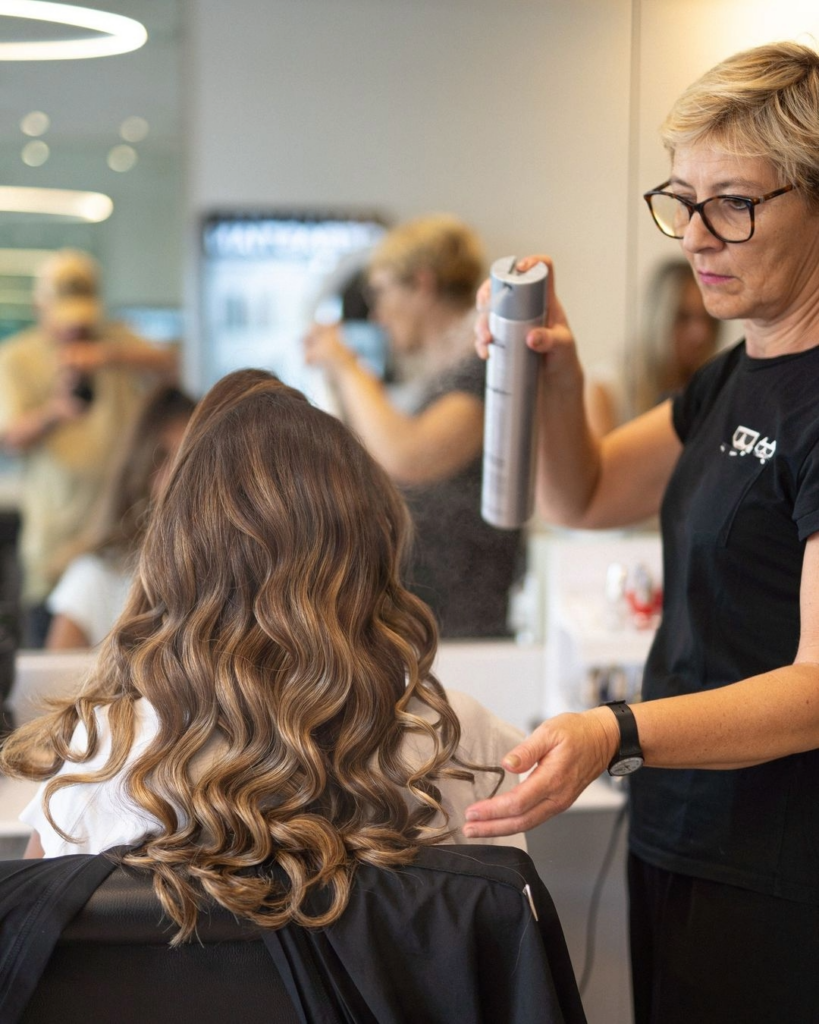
(422, 280)
(91, 593)
(69, 387)
(678, 335)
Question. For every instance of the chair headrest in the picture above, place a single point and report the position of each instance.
(125, 909)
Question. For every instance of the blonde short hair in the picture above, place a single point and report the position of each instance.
(762, 102)
(440, 244)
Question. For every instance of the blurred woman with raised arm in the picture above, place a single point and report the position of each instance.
(422, 280)
(724, 833)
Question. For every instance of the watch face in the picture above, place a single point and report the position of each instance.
(626, 766)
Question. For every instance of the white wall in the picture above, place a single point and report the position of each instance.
(512, 115)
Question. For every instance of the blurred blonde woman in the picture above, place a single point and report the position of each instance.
(267, 695)
(678, 335)
(422, 282)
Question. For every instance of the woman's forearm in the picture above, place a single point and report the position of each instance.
(758, 719)
(601, 484)
(746, 723)
(569, 459)
(30, 428)
(384, 430)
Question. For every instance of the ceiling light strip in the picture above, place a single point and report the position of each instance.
(91, 207)
(118, 33)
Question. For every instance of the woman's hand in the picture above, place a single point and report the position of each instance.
(567, 752)
(555, 340)
(323, 346)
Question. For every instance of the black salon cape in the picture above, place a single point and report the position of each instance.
(450, 938)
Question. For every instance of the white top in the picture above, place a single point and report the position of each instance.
(92, 593)
(100, 815)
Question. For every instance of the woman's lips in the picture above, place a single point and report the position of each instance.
(706, 277)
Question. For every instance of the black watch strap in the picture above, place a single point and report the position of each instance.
(629, 756)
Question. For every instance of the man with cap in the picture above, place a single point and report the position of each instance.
(69, 388)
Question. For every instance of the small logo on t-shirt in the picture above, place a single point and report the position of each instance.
(747, 442)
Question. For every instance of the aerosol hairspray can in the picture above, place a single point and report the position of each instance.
(518, 303)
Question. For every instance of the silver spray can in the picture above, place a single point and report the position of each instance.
(517, 304)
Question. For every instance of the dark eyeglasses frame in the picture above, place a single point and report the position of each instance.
(750, 202)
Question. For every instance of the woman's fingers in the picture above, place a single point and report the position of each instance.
(555, 337)
(483, 338)
(323, 345)
(569, 752)
(522, 808)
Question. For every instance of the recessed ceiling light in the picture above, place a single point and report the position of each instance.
(122, 158)
(134, 129)
(91, 207)
(116, 33)
(35, 123)
(35, 153)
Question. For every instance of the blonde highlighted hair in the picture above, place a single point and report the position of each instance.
(267, 618)
(443, 246)
(652, 366)
(762, 102)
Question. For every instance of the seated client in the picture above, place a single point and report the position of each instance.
(92, 590)
(267, 695)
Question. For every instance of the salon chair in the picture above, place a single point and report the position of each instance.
(464, 934)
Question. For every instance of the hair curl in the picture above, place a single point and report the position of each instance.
(267, 618)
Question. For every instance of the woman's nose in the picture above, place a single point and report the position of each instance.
(697, 236)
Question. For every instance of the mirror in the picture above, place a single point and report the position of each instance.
(537, 123)
(109, 125)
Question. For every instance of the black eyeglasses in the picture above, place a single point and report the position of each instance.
(728, 218)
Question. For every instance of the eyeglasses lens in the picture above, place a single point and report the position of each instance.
(729, 219)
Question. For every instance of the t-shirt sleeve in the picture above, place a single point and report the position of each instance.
(74, 595)
(806, 506)
(485, 739)
(67, 806)
(97, 815)
(701, 392)
(467, 377)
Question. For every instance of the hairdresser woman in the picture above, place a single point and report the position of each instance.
(724, 835)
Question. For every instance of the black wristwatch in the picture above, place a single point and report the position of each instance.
(629, 756)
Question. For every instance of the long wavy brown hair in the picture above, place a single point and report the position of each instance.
(267, 622)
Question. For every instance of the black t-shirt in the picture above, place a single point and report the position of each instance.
(462, 567)
(741, 502)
